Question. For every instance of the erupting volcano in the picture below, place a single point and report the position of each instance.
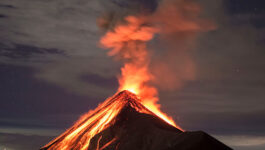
(123, 123)
(132, 119)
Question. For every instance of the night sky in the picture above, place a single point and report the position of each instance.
(52, 70)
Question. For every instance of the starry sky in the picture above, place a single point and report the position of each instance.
(52, 70)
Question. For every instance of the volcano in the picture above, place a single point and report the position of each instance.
(123, 123)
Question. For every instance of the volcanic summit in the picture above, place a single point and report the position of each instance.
(123, 123)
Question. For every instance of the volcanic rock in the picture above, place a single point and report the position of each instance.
(137, 128)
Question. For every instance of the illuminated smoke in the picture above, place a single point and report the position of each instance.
(176, 24)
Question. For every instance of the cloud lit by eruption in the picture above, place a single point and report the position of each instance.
(128, 43)
(176, 23)
(179, 23)
(169, 62)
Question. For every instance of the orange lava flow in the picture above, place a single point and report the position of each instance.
(78, 137)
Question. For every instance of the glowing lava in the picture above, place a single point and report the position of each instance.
(78, 137)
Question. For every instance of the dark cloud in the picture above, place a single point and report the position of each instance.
(244, 142)
(2, 16)
(22, 142)
(244, 12)
(20, 51)
(244, 6)
(6, 6)
(147, 6)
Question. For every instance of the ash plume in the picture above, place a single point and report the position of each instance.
(171, 25)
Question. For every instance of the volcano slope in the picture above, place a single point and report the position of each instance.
(134, 127)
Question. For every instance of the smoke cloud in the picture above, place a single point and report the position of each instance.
(175, 25)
